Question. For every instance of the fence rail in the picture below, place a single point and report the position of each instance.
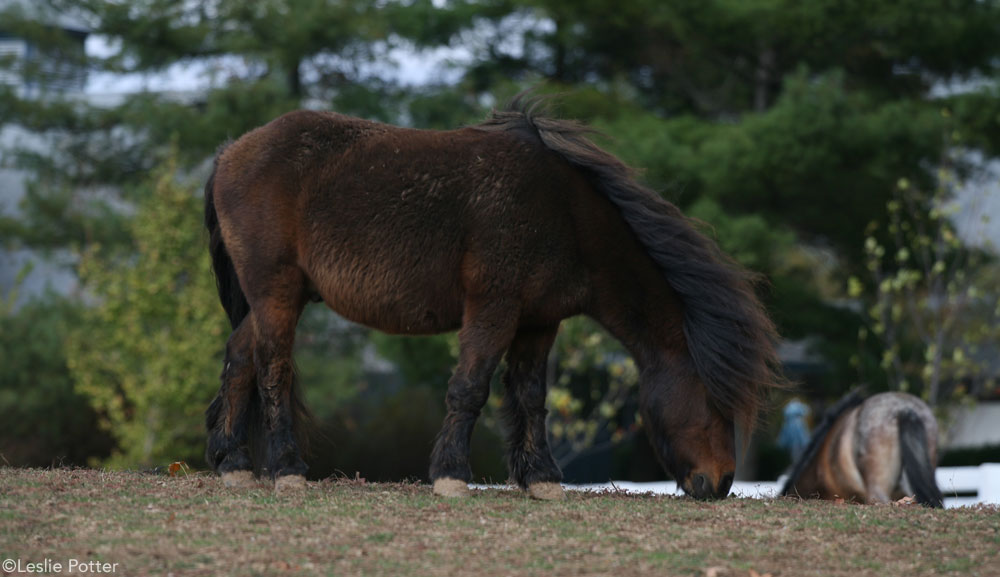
(957, 483)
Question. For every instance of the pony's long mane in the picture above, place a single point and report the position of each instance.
(729, 335)
(830, 416)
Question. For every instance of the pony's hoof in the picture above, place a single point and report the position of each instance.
(290, 485)
(447, 487)
(238, 479)
(546, 491)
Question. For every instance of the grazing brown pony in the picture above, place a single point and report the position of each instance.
(872, 451)
(499, 230)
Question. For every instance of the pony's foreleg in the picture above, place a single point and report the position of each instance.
(529, 459)
(227, 450)
(485, 334)
(275, 334)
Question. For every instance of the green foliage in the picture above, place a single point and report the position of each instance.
(977, 116)
(55, 217)
(387, 434)
(278, 38)
(328, 361)
(822, 146)
(592, 382)
(443, 110)
(422, 361)
(727, 56)
(224, 114)
(45, 420)
(749, 238)
(936, 311)
(146, 353)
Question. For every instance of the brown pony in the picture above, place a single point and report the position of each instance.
(499, 230)
(871, 451)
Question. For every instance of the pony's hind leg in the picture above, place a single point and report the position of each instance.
(227, 450)
(877, 458)
(485, 334)
(529, 459)
(274, 322)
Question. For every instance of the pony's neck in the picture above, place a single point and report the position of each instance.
(629, 294)
(634, 303)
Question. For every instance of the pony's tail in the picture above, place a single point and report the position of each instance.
(917, 467)
(230, 294)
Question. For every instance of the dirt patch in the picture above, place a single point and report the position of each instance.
(193, 525)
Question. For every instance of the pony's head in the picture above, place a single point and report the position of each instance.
(692, 438)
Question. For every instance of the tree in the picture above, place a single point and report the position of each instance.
(592, 392)
(146, 351)
(47, 421)
(936, 312)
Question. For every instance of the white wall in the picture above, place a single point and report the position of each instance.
(975, 426)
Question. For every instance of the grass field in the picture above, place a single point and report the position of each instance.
(190, 525)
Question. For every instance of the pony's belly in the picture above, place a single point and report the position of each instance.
(402, 321)
(393, 302)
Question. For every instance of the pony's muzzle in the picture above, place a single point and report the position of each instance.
(701, 486)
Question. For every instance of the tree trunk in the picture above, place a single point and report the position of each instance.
(762, 79)
(294, 78)
(559, 51)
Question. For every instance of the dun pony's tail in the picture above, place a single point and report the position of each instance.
(917, 467)
(230, 293)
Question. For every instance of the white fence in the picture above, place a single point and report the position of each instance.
(961, 486)
(983, 480)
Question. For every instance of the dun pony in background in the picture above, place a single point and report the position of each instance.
(872, 451)
(499, 230)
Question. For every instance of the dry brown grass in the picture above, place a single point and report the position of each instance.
(191, 525)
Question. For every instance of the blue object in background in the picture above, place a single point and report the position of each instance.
(794, 435)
